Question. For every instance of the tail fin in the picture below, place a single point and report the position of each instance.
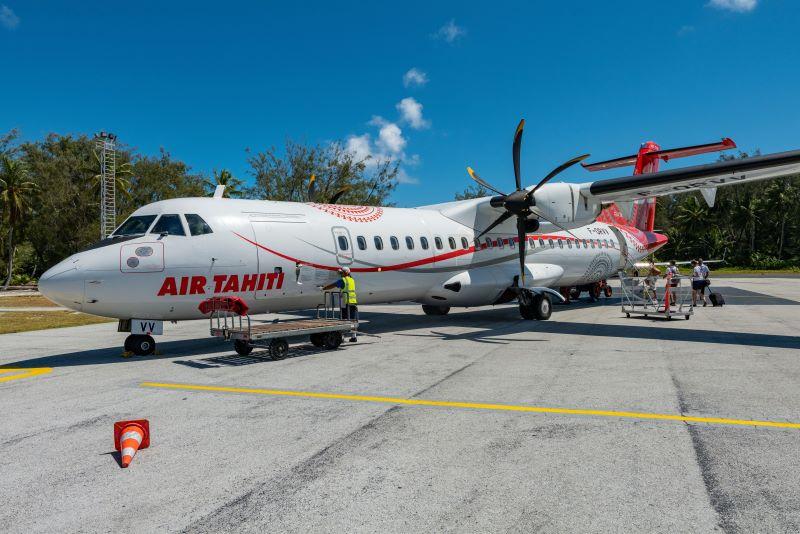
(641, 213)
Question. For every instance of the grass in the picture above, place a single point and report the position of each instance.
(25, 301)
(748, 270)
(11, 322)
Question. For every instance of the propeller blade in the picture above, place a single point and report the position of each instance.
(541, 216)
(339, 194)
(523, 241)
(564, 166)
(482, 182)
(500, 220)
(312, 188)
(515, 152)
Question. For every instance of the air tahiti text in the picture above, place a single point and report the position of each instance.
(223, 283)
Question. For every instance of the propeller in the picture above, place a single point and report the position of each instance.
(313, 192)
(522, 202)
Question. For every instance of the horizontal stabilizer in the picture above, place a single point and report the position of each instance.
(665, 155)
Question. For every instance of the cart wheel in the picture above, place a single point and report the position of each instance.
(628, 315)
(608, 291)
(317, 340)
(278, 348)
(669, 317)
(332, 340)
(242, 347)
(687, 317)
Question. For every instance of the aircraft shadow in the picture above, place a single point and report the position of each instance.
(491, 326)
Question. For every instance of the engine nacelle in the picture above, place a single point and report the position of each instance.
(473, 287)
(564, 204)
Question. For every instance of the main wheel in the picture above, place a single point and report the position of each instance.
(608, 291)
(332, 340)
(526, 312)
(594, 292)
(278, 348)
(435, 310)
(141, 345)
(242, 347)
(318, 340)
(542, 307)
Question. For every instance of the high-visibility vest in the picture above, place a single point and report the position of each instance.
(349, 296)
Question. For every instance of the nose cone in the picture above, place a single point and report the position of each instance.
(63, 284)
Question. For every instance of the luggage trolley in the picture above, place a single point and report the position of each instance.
(326, 330)
(640, 295)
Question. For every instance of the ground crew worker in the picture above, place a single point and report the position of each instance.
(349, 302)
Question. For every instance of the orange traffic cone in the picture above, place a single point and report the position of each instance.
(129, 437)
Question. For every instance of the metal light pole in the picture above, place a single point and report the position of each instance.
(105, 143)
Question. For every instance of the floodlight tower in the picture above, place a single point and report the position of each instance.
(106, 152)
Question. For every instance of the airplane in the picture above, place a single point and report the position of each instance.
(170, 256)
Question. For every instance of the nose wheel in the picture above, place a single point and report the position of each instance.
(140, 345)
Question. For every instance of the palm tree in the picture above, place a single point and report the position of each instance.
(16, 193)
(231, 183)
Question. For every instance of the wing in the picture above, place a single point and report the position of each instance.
(700, 177)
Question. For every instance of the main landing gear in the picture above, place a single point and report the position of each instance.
(538, 307)
(435, 310)
(140, 345)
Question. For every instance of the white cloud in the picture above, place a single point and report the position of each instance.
(738, 6)
(450, 32)
(391, 140)
(411, 112)
(414, 78)
(404, 178)
(359, 146)
(8, 18)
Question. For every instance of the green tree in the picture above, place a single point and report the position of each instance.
(472, 191)
(16, 194)
(285, 176)
(233, 186)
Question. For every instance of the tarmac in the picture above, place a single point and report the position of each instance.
(475, 421)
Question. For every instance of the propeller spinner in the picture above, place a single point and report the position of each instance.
(522, 202)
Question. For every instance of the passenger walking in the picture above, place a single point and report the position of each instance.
(698, 283)
(349, 302)
(653, 273)
(706, 282)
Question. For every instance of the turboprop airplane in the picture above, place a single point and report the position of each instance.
(170, 256)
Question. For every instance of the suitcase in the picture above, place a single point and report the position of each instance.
(716, 299)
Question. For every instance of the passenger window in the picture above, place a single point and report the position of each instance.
(512, 242)
(605, 243)
(593, 243)
(569, 243)
(560, 244)
(464, 243)
(378, 243)
(196, 224)
(168, 224)
(452, 242)
(362, 243)
(552, 245)
(394, 242)
(438, 242)
(532, 242)
(423, 241)
(409, 242)
(488, 242)
(541, 242)
(343, 244)
(585, 243)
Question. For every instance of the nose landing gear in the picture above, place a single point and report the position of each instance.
(140, 345)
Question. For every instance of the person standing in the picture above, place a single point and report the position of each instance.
(672, 275)
(349, 301)
(706, 282)
(698, 283)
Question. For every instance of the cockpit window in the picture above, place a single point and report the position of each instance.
(197, 226)
(136, 225)
(168, 224)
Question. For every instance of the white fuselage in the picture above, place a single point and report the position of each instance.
(275, 255)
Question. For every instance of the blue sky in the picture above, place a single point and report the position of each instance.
(207, 80)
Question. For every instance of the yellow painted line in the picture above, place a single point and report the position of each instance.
(23, 373)
(471, 405)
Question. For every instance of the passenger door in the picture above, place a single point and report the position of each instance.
(343, 244)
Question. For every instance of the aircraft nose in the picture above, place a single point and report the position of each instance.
(63, 284)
